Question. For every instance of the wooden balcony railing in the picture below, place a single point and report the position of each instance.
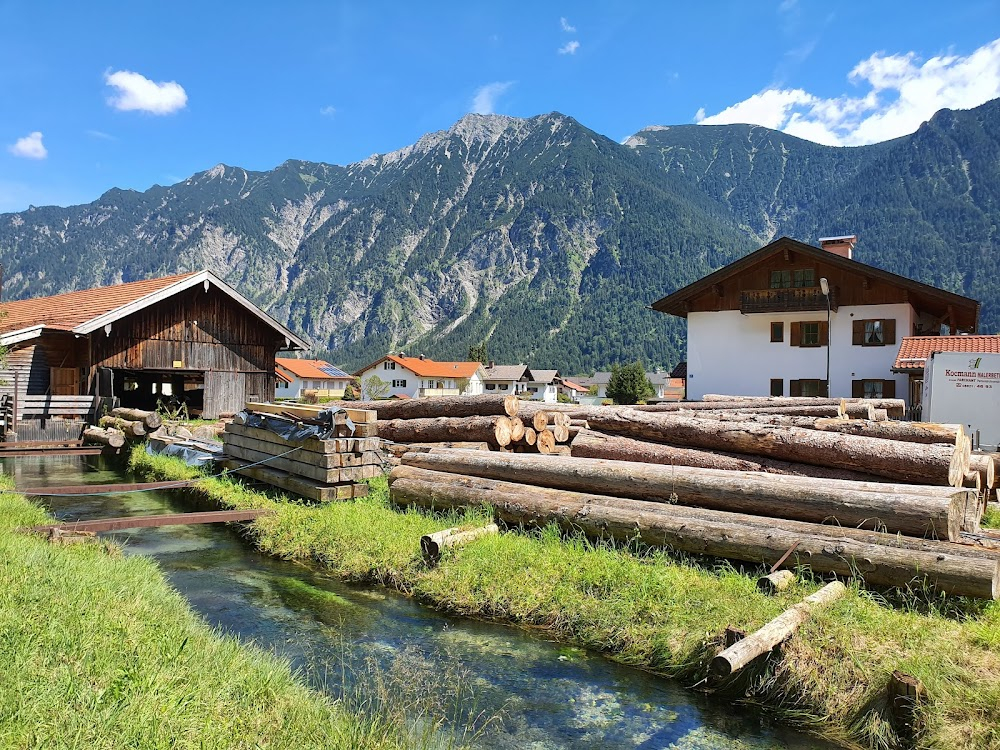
(785, 300)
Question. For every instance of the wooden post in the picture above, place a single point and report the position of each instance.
(906, 696)
(777, 631)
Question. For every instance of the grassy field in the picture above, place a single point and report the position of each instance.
(662, 612)
(97, 651)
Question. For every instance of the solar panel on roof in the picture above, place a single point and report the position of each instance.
(334, 372)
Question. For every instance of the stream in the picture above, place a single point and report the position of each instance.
(508, 688)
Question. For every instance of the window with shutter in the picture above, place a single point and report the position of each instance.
(810, 334)
(795, 334)
(777, 387)
(857, 389)
(888, 389)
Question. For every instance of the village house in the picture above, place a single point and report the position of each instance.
(543, 385)
(399, 376)
(572, 391)
(666, 386)
(295, 376)
(797, 320)
(187, 339)
(505, 379)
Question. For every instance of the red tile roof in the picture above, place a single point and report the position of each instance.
(428, 368)
(308, 368)
(914, 350)
(281, 376)
(66, 311)
(574, 386)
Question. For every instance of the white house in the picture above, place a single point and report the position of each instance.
(419, 377)
(665, 385)
(794, 319)
(505, 379)
(293, 376)
(543, 385)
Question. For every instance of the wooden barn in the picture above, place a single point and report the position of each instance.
(188, 339)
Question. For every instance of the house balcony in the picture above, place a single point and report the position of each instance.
(429, 392)
(786, 300)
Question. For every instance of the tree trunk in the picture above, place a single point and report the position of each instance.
(486, 405)
(560, 432)
(732, 536)
(516, 429)
(545, 441)
(985, 465)
(540, 420)
(494, 430)
(895, 407)
(590, 444)
(101, 436)
(777, 631)
(744, 492)
(909, 432)
(131, 429)
(906, 462)
(150, 419)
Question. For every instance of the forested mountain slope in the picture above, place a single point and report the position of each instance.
(539, 236)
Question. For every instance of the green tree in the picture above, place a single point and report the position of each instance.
(629, 384)
(352, 391)
(374, 387)
(477, 352)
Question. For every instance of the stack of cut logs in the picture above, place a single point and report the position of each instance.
(113, 429)
(318, 469)
(841, 484)
(499, 423)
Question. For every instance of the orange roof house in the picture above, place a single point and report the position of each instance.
(188, 337)
(420, 377)
(914, 350)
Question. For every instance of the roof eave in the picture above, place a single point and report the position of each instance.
(293, 341)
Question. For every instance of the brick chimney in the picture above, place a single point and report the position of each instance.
(842, 246)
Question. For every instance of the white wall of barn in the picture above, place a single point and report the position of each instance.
(732, 353)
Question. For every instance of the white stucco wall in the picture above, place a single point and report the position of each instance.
(732, 353)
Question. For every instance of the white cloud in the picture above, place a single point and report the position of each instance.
(328, 111)
(101, 135)
(902, 93)
(29, 147)
(485, 100)
(565, 25)
(569, 48)
(136, 92)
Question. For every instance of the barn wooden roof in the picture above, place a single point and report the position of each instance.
(88, 310)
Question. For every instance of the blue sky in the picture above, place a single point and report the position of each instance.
(100, 95)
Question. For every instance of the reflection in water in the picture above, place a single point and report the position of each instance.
(387, 648)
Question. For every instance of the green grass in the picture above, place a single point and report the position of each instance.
(98, 651)
(663, 612)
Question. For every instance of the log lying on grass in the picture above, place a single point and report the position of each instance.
(131, 429)
(906, 462)
(443, 406)
(495, 430)
(102, 436)
(150, 419)
(732, 536)
(815, 500)
(777, 631)
(432, 544)
(590, 444)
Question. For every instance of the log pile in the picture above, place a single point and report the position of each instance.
(322, 470)
(502, 423)
(852, 488)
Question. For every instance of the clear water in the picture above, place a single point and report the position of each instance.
(376, 643)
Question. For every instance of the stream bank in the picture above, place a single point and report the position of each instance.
(377, 647)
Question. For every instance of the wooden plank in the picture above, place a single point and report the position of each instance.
(302, 469)
(91, 489)
(313, 445)
(91, 450)
(296, 485)
(308, 411)
(144, 522)
(320, 460)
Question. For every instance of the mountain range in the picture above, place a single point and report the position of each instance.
(538, 236)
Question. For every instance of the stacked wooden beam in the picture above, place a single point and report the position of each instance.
(319, 469)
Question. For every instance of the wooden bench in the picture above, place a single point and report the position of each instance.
(43, 406)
